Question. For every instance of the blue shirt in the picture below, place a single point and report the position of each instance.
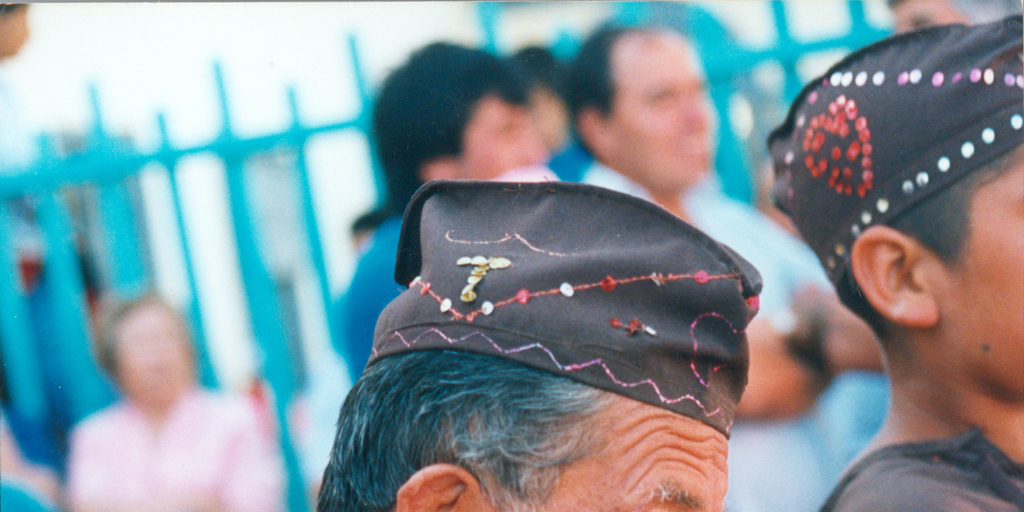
(372, 288)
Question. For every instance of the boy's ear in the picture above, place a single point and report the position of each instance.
(442, 487)
(894, 271)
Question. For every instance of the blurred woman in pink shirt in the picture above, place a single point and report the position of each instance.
(168, 445)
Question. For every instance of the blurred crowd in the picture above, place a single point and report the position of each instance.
(629, 112)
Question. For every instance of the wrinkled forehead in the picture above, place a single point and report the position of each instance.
(666, 458)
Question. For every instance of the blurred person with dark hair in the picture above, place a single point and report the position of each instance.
(559, 347)
(916, 14)
(452, 112)
(363, 227)
(167, 445)
(448, 112)
(919, 224)
(546, 104)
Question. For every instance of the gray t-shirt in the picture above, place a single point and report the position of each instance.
(966, 473)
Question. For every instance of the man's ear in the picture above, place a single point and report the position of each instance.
(592, 126)
(441, 168)
(894, 271)
(442, 487)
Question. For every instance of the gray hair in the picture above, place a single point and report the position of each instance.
(511, 426)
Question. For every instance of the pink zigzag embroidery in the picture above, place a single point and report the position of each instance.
(506, 238)
(693, 336)
(574, 367)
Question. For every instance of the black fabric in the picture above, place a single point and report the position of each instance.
(966, 473)
(892, 124)
(601, 287)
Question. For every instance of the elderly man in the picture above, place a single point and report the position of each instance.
(559, 347)
(640, 108)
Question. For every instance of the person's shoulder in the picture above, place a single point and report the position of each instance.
(717, 206)
(116, 412)
(749, 231)
(224, 414)
(896, 482)
(903, 493)
(103, 422)
(222, 404)
(379, 258)
(386, 235)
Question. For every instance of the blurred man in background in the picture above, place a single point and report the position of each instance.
(640, 107)
(449, 112)
(546, 103)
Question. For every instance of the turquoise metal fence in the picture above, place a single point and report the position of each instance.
(108, 167)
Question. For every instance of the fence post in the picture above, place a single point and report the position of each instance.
(632, 14)
(364, 119)
(720, 56)
(488, 13)
(263, 306)
(309, 218)
(788, 50)
(87, 391)
(207, 374)
(125, 262)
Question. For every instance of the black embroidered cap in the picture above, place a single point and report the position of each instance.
(600, 287)
(892, 124)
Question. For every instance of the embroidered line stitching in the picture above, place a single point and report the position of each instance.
(506, 238)
(577, 366)
(607, 282)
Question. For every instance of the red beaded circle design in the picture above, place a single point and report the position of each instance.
(835, 142)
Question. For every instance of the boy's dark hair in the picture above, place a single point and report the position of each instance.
(424, 106)
(940, 223)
